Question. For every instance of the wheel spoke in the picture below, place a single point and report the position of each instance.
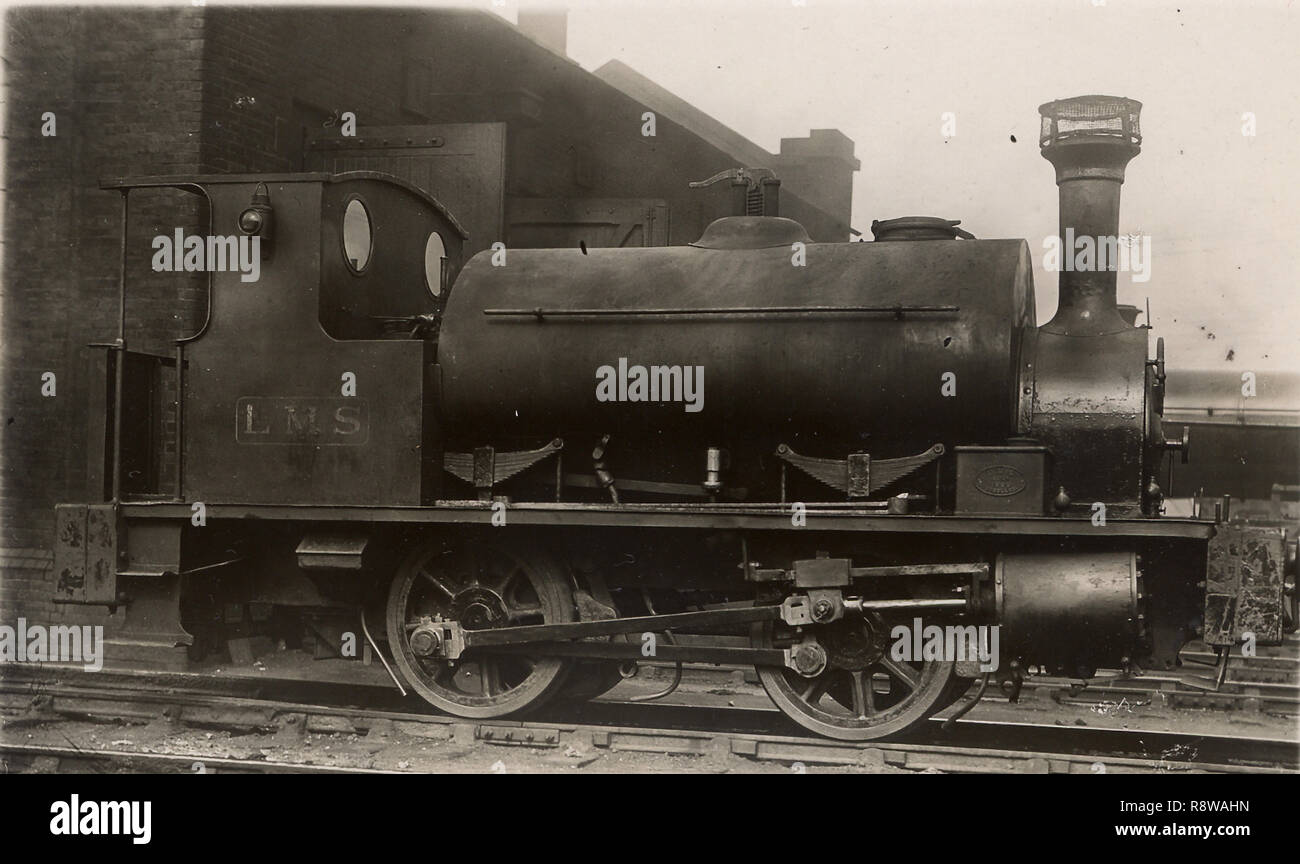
(507, 579)
(473, 570)
(902, 672)
(864, 703)
(490, 676)
(816, 689)
(437, 583)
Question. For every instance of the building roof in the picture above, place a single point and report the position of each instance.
(1197, 395)
(661, 101)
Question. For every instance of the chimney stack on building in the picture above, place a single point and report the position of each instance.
(548, 27)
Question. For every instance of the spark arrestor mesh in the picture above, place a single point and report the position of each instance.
(1108, 116)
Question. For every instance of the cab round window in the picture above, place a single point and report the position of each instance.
(356, 236)
(435, 264)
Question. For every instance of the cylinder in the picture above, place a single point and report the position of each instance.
(1069, 611)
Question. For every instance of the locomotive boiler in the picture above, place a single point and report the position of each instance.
(806, 457)
(827, 349)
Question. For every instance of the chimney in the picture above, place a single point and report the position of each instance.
(819, 169)
(1089, 140)
(547, 27)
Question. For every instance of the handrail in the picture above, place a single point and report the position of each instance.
(119, 367)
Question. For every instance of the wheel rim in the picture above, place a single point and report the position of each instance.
(863, 693)
(482, 587)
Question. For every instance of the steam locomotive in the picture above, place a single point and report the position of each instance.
(542, 466)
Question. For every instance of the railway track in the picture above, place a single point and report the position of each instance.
(14, 756)
(610, 726)
(1267, 683)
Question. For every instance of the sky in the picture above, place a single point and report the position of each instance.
(1219, 205)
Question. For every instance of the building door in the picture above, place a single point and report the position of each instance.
(545, 223)
(463, 165)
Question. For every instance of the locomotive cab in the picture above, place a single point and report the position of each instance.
(305, 383)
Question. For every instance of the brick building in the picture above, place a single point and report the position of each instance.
(518, 141)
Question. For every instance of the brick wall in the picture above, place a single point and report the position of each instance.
(123, 85)
(270, 73)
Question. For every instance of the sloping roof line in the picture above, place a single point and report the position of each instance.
(623, 77)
